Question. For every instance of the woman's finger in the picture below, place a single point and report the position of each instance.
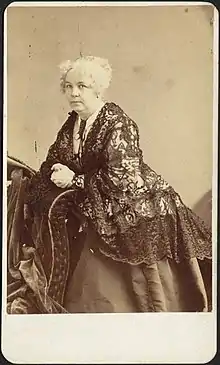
(57, 167)
(61, 183)
(55, 177)
(69, 184)
(58, 175)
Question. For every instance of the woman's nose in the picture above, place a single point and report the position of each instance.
(75, 91)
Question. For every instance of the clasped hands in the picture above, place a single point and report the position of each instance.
(62, 176)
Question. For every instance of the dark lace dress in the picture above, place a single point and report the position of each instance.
(143, 246)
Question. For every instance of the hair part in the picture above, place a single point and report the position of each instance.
(98, 69)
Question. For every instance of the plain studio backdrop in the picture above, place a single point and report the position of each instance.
(162, 61)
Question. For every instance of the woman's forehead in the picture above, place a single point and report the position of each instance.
(78, 75)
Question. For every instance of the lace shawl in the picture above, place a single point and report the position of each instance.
(136, 213)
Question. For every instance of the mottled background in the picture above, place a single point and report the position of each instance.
(162, 62)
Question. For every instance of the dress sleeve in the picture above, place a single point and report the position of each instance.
(124, 161)
(52, 157)
(114, 192)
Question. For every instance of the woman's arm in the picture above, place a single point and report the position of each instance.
(125, 170)
(124, 160)
(113, 192)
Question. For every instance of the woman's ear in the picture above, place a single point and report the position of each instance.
(97, 95)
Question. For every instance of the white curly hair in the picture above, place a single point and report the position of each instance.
(97, 68)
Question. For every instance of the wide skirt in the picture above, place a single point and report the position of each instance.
(102, 285)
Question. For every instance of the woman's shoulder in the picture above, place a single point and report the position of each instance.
(122, 119)
(68, 124)
(114, 109)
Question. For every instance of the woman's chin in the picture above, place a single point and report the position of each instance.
(77, 107)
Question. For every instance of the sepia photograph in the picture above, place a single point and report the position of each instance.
(109, 164)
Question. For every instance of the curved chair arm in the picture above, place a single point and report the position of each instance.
(13, 163)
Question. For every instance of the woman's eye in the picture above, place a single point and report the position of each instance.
(68, 86)
(81, 86)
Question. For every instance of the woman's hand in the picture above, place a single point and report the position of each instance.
(62, 176)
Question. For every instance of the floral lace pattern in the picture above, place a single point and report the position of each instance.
(138, 216)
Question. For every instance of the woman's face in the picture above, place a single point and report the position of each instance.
(80, 92)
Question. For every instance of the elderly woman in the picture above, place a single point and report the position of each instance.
(139, 247)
